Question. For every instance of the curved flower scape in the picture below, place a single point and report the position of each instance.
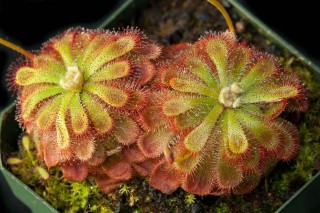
(78, 96)
(222, 100)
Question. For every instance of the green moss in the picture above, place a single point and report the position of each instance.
(63, 195)
(190, 198)
(221, 208)
(124, 189)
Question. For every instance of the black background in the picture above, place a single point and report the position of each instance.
(21, 21)
(297, 21)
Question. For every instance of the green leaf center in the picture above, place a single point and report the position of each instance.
(73, 80)
(228, 96)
